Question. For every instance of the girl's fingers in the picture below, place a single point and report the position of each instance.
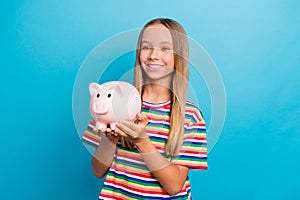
(130, 125)
(126, 129)
(142, 119)
(120, 132)
(109, 132)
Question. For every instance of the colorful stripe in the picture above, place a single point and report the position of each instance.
(129, 177)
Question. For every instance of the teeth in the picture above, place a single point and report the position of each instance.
(155, 66)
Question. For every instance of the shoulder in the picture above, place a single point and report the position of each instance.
(193, 114)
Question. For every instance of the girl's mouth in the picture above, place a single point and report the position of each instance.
(154, 67)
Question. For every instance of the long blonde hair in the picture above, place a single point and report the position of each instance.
(179, 83)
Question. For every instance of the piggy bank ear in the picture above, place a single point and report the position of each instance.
(118, 89)
(94, 87)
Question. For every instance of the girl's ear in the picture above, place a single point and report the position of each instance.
(94, 87)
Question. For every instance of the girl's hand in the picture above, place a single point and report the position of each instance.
(131, 130)
(110, 134)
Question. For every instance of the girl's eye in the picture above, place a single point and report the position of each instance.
(98, 95)
(165, 49)
(145, 47)
(109, 95)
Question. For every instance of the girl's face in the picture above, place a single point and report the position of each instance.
(156, 57)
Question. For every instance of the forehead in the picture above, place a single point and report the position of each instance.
(157, 33)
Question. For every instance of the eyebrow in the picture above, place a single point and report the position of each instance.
(163, 42)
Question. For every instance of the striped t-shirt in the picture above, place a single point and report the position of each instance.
(129, 178)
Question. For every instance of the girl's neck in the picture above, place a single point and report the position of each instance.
(155, 93)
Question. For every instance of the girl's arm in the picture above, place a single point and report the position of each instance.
(104, 154)
(98, 168)
(172, 177)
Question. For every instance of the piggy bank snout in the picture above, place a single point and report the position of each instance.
(100, 108)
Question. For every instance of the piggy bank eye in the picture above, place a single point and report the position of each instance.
(98, 95)
(109, 95)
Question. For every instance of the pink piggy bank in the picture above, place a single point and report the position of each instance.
(112, 102)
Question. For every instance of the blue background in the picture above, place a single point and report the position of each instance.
(255, 45)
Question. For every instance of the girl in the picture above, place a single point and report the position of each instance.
(150, 159)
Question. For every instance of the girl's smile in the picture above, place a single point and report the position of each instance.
(154, 67)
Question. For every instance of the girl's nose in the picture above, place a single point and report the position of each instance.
(154, 54)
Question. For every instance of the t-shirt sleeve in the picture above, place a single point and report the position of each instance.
(193, 153)
(89, 137)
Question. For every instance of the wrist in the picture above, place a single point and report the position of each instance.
(155, 161)
(144, 145)
(105, 151)
(105, 141)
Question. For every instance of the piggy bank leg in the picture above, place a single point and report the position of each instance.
(100, 125)
(113, 126)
